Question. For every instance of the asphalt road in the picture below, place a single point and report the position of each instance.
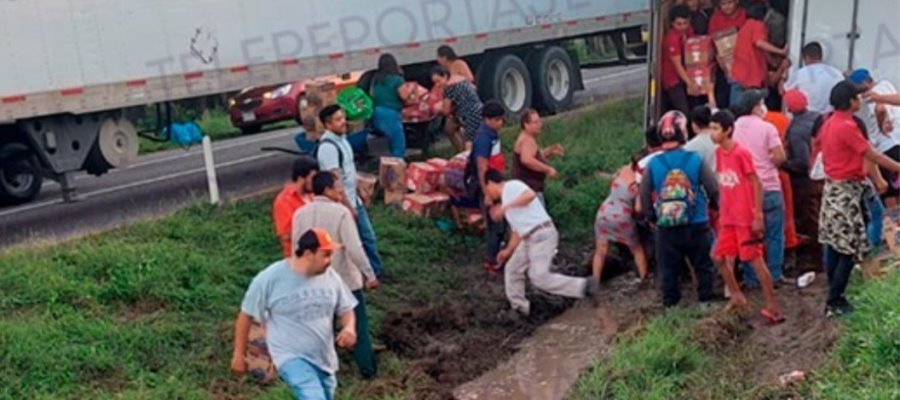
(162, 183)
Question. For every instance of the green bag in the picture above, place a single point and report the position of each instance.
(356, 103)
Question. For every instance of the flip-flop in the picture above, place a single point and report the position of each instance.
(772, 318)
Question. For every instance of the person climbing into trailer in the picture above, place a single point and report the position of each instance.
(750, 69)
(532, 245)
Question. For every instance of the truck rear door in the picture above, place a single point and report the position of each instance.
(829, 22)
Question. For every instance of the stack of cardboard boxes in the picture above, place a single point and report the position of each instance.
(319, 94)
(698, 59)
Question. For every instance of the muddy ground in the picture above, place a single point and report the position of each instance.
(452, 343)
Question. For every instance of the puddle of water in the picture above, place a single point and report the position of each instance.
(550, 361)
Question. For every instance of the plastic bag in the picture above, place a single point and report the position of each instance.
(356, 103)
(185, 134)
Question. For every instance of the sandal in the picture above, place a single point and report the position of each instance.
(772, 318)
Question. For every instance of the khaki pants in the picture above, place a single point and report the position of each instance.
(534, 256)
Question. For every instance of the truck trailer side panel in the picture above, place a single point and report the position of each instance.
(93, 55)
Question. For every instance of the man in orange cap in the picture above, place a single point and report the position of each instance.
(297, 299)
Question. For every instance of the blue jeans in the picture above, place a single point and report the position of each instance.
(307, 381)
(773, 207)
(736, 91)
(359, 141)
(389, 122)
(367, 236)
(875, 228)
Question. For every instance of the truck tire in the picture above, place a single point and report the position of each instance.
(554, 78)
(20, 177)
(505, 78)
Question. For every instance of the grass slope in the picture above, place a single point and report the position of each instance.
(146, 312)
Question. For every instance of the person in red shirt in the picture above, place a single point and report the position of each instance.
(750, 69)
(675, 80)
(842, 229)
(741, 224)
(296, 194)
(729, 15)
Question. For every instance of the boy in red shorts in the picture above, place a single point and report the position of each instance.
(740, 233)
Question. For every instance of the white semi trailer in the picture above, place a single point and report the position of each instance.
(853, 34)
(71, 67)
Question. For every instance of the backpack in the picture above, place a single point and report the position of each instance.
(315, 152)
(675, 199)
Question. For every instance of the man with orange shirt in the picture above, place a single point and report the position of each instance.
(675, 80)
(296, 194)
(781, 123)
(750, 69)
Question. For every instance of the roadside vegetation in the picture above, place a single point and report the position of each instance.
(213, 122)
(147, 311)
(689, 355)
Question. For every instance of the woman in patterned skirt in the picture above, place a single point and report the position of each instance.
(615, 219)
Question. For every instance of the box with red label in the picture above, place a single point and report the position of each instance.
(703, 77)
(441, 165)
(392, 174)
(418, 204)
(422, 178)
(698, 51)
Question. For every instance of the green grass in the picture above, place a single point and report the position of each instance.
(866, 360)
(667, 360)
(653, 365)
(214, 123)
(146, 312)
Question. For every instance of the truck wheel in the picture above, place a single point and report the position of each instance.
(20, 177)
(505, 78)
(553, 72)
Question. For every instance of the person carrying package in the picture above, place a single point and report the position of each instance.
(296, 194)
(842, 230)
(740, 230)
(751, 69)
(677, 189)
(336, 156)
(486, 155)
(461, 102)
(350, 262)
(675, 80)
(297, 300)
(728, 17)
(532, 246)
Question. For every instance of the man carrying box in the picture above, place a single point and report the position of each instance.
(532, 246)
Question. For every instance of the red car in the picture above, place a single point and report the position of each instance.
(256, 106)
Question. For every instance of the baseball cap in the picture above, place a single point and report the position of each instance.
(842, 93)
(750, 99)
(795, 101)
(316, 239)
(859, 76)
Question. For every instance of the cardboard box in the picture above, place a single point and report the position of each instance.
(392, 174)
(725, 63)
(441, 165)
(318, 95)
(725, 42)
(698, 51)
(702, 76)
(454, 173)
(394, 198)
(419, 204)
(422, 178)
(367, 183)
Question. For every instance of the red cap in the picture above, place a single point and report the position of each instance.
(795, 101)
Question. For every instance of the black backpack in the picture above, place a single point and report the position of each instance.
(340, 152)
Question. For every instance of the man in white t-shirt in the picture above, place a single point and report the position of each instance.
(882, 125)
(532, 245)
(815, 79)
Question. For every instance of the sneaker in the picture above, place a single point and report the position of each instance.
(838, 310)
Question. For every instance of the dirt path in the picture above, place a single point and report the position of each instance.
(551, 360)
